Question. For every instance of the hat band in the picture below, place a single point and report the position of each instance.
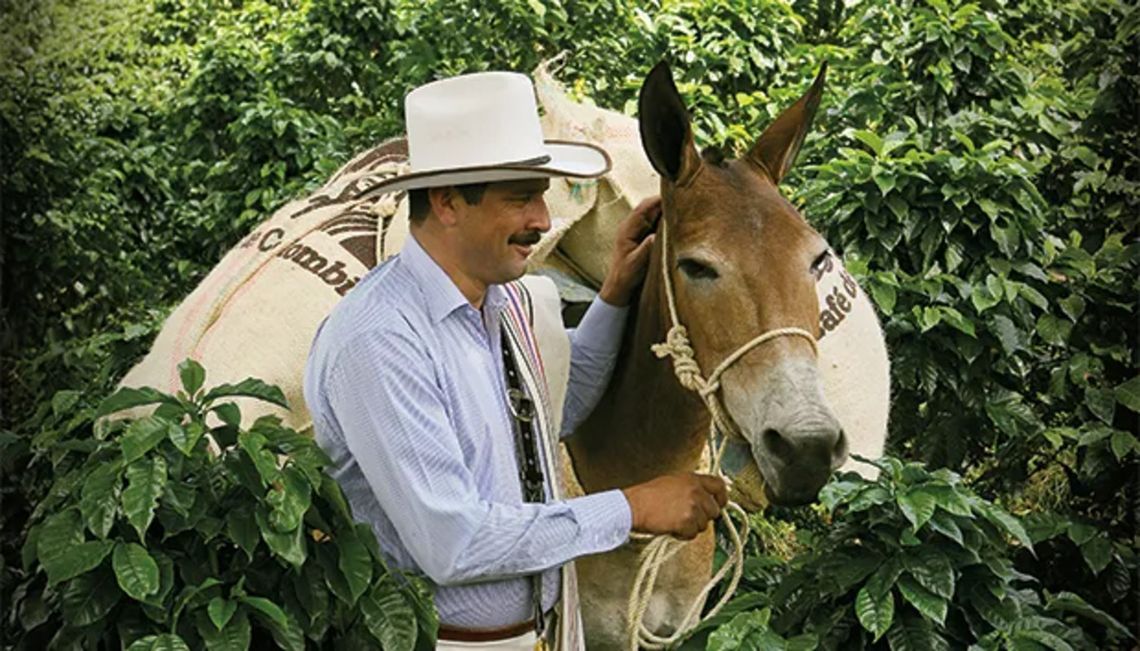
(529, 162)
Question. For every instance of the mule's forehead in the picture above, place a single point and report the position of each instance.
(731, 203)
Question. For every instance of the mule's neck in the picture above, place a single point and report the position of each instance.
(646, 423)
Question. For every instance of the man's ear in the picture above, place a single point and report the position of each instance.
(778, 146)
(444, 203)
(666, 133)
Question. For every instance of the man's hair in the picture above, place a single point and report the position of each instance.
(419, 205)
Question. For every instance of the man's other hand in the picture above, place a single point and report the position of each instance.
(680, 504)
(631, 252)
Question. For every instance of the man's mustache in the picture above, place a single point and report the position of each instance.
(529, 238)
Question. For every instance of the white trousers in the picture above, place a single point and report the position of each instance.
(525, 641)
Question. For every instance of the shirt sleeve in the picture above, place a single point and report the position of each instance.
(594, 347)
(383, 392)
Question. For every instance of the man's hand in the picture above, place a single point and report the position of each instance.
(680, 505)
(631, 253)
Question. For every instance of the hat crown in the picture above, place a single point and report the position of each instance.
(475, 120)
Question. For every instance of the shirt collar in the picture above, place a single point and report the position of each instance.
(440, 292)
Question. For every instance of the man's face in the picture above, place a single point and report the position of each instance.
(498, 233)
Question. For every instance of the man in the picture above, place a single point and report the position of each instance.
(413, 385)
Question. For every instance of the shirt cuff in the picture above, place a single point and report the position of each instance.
(604, 518)
(601, 327)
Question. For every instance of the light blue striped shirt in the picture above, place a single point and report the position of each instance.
(406, 387)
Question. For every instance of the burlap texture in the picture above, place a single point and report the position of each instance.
(257, 311)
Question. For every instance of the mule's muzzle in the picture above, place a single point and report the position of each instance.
(799, 460)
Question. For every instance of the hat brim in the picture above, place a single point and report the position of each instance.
(572, 159)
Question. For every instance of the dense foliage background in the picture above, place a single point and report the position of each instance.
(978, 164)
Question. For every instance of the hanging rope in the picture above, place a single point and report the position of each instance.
(660, 549)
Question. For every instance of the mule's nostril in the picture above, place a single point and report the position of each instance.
(839, 452)
(780, 447)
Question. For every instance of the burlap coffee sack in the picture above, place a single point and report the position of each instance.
(585, 213)
(257, 311)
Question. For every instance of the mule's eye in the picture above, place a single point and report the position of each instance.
(817, 264)
(697, 270)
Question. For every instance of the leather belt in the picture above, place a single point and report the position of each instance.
(484, 634)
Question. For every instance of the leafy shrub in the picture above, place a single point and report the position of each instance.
(915, 560)
(150, 536)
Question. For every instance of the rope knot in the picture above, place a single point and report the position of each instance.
(685, 366)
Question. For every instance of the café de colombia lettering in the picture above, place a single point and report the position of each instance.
(305, 257)
(840, 301)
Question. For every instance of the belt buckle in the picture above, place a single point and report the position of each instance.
(520, 405)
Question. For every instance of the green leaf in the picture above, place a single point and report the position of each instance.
(327, 556)
(983, 299)
(235, 636)
(1033, 296)
(221, 610)
(956, 320)
(1122, 443)
(229, 413)
(914, 634)
(242, 528)
(141, 437)
(884, 179)
(186, 438)
(166, 642)
(253, 444)
(746, 630)
(1008, 334)
(1074, 603)
(146, 481)
(290, 546)
(885, 577)
(289, 499)
(870, 139)
(1102, 403)
(1039, 637)
(286, 631)
(918, 506)
(945, 524)
(192, 375)
(872, 496)
(389, 617)
(836, 492)
(1080, 532)
(1097, 552)
(1053, 330)
(249, 387)
(89, 598)
(135, 570)
(926, 602)
(875, 611)
(355, 563)
(64, 401)
(165, 580)
(62, 551)
(100, 498)
(885, 297)
(933, 571)
(949, 499)
(127, 398)
(1010, 524)
(1128, 394)
(1073, 306)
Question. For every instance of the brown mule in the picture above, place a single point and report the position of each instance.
(741, 260)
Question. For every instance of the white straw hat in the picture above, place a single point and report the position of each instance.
(484, 127)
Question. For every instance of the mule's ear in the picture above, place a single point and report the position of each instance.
(778, 146)
(666, 133)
